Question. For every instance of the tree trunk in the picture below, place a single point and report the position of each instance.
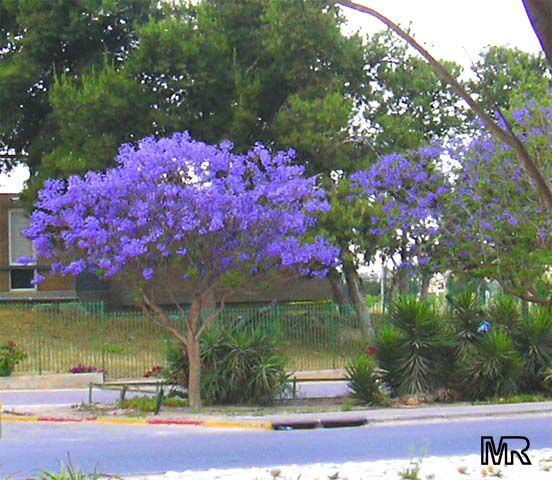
(355, 294)
(338, 289)
(424, 289)
(401, 280)
(208, 302)
(193, 351)
(194, 372)
(540, 16)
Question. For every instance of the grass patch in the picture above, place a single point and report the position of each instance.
(58, 337)
(147, 404)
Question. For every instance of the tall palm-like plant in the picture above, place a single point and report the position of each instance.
(504, 312)
(467, 315)
(412, 347)
(533, 338)
(493, 369)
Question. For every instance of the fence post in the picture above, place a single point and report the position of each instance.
(279, 323)
(38, 337)
(100, 308)
(332, 332)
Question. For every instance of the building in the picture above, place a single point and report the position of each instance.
(16, 278)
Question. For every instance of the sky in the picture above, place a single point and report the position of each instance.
(453, 29)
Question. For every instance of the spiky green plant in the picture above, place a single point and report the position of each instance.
(493, 369)
(546, 374)
(239, 366)
(533, 338)
(467, 315)
(69, 472)
(412, 348)
(364, 380)
(504, 312)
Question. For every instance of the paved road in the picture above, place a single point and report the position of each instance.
(70, 397)
(26, 448)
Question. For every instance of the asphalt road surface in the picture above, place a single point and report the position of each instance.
(26, 449)
(20, 398)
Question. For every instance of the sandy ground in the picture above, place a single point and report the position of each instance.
(430, 468)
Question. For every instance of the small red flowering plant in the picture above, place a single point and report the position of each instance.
(80, 368)
(371, 351)
(156, 371)
(10, 356)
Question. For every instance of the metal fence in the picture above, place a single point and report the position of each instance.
(58, 337)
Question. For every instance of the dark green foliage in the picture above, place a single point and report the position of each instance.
(39, 40)
(364, 379)
(413, 349)
(546, 375)
(504, 313)
(467, 315)
(533, 338)
(238, 366)
(222, 70)
(493, 368)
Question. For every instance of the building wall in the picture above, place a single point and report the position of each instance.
(54, 287)
(278, 290)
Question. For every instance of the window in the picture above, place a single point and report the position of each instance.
(19, 246)
(21, 279)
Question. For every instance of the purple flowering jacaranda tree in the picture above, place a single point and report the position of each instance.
(407, 194)
(184, 214)
(496, 225)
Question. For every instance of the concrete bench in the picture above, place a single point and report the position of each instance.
(333, 375)
(139, 385)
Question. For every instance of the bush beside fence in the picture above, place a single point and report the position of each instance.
(57, 337)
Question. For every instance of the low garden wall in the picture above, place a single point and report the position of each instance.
(50, 380)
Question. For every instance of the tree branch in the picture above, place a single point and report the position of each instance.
(162, 316)
(540, 16)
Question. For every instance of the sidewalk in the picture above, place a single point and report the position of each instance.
(293, 421)
(411, 414)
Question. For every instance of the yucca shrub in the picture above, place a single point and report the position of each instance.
(467, 315)
(493, 368)
(533, 339)
(413, 348)
(364, 380)
(239, 366)
(504, 312)
(546, 375)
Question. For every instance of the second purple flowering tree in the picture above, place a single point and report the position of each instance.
(183, 213)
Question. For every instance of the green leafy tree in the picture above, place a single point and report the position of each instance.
(504, 73)
(92, 116)
(41, 39)
(410, 106)
(221, 70)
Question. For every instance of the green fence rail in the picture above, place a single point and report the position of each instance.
(57, 337)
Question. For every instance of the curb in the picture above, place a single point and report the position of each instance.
(278, 425)
(140, 421)
(221, 424)
(239, 424)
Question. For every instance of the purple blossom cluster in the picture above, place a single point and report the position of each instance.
(407, 193)
(483, 215)
(179, 201)
(495, 212)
